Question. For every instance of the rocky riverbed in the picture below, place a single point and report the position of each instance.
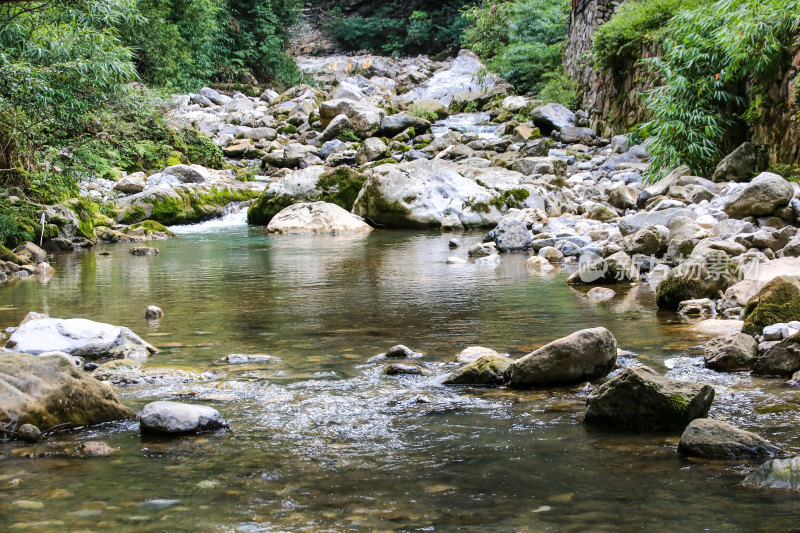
(526, 203)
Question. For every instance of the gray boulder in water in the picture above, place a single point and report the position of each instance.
(776, 474)
(583, 356)
(178, 418)
(715, 439)
(640, 398)
(510, 236)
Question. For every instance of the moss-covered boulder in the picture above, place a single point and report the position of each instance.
(640, 398)
(488, 370)
(701, 276)
(49, 391)
(778, 301)
(339, 186)
(183, 204)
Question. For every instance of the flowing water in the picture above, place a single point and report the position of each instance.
(469, 123)
(321, 441)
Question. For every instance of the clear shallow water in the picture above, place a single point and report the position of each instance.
(320, 440)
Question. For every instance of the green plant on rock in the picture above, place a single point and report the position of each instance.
(341, 186)
(715, 60)
(348, 135)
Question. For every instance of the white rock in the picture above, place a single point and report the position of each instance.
(317, 218)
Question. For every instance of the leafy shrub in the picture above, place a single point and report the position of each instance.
(400, 28)
(637, 22)
(521, 40)
(711, 56)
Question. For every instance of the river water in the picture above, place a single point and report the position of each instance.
(321, 441)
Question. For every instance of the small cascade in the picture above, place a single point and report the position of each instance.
(235, 216)
(469, 123)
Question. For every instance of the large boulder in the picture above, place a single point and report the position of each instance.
(49, 391)
(776, 474)
(420, 194)
(487, 370)
(365, 118)
(173, 418)
(701, 276)
(317, 218)
(632, 223)
(550, 117)
(714, 439)
(338, 186)
(782, 359)
(777, 301)
(392, 125)
(80, 338)
(766, 193)
(649, 240)
(736, 351)
(739, 165)
(583, 356)
(640, 398)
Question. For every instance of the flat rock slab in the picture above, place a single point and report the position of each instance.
(178, 418)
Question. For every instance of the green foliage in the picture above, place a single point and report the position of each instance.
(711, 56)
(174, 41)
(400, 28)
(18, 223)
(59, 61)
(521, 40)
(251, 36)
(348, 135)
(559, 88)
(636, 23)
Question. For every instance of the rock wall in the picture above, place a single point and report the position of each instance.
(779, 128)
(612, 99)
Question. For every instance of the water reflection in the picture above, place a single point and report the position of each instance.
(321, 440)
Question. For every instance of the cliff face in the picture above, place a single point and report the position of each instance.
(779, 128)
(614, 99)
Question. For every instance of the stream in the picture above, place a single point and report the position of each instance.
(320, 440)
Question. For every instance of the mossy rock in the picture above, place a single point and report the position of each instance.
(700, 276)
(189, 207)
(488, 370)
(340, 186)
(8, 255)
(288, 129)
(778, 301)
(266, 207)
(151, 225)
(51, 391)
